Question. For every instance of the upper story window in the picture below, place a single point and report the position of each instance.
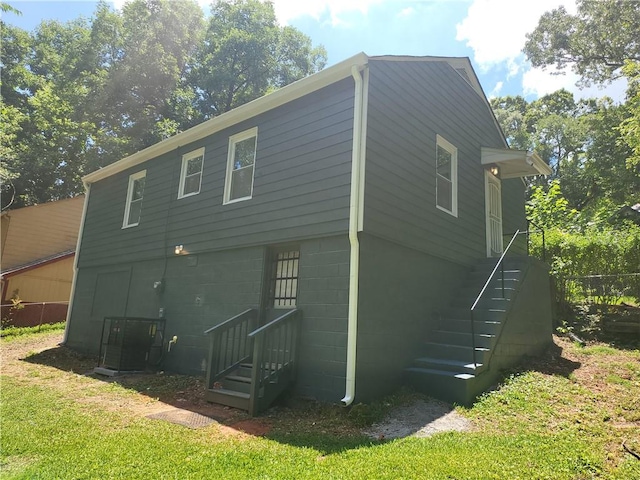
(446, 176)
(135, 193)
(191, 173)
(240, 166)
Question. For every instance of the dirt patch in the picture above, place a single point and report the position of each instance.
(420, 419)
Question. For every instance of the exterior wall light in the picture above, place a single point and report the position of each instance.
(178, 249)
(494, 170)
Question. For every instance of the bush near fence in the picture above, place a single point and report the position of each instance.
(598, 266)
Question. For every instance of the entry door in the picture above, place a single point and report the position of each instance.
(493, 207)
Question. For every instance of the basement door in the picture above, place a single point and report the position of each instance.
(493, 209)
(281, 281)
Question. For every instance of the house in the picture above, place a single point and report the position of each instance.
(335, 232)
(38, 245)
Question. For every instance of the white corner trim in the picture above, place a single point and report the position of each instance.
(87, 190)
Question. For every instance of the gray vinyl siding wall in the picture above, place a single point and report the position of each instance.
(301, 188)
(409, 104)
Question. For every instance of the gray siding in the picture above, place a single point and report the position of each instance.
(409, 104)
(301, 188)
(401, 289)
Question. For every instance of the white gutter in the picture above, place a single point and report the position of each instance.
(87, 188)
(354, 263)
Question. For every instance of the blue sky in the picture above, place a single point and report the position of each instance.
(490, 32)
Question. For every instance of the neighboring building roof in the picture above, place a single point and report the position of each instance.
(40, 231)
(282, 96)
(37, 263)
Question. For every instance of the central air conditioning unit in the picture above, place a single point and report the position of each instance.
(131, 343)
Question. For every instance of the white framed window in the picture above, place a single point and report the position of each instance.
(191, 173)
(446, 176)
(241, 166)
(135, 192)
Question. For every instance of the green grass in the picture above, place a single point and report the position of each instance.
(9, 333)
(537, 425)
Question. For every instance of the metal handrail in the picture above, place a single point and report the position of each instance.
(486, 284)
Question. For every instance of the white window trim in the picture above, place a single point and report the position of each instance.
(183, 172)
(132, 178)
(238, 137)
(449, 147)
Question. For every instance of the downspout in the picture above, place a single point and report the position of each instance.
(87, 189)
(354, 262)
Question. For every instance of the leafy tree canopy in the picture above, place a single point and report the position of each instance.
(595, 42)
(80, 95)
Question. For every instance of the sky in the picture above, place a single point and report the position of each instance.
(490, 32)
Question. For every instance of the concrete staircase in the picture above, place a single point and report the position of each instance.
(446, 368)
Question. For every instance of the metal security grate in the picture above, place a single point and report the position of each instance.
(284, 281)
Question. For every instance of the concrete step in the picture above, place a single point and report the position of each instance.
(463, 325)
(456, 366)
(453, 352)
(455, 387)
(462, 313)
(453, 337)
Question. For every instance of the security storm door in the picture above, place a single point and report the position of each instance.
(493, 208)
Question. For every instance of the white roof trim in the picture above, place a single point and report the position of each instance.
(260, 105)
(514, 163)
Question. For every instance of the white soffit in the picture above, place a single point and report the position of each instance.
(514, 163)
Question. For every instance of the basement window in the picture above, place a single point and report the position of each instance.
(135, 192)
(284, 280)
(446, 176)
(191, 173)
(241, 166)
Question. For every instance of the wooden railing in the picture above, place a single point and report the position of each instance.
(230, 345)
(275, 349)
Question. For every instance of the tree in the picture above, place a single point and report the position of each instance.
(595, 42)
(80, 95)
(245, 54)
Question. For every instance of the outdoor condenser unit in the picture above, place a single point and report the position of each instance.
(131, 343)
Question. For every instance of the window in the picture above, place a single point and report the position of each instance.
(240, 166)
(446, 176)
(134, 199)
(191, 173)
(284, 279)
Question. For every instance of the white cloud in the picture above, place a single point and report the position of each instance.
(496, 90)
(407, 12)
(496, 29)
(286, 10)
(496, 32)
(538, 82)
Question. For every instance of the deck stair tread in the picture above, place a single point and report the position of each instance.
(230, 393)
(444, 373)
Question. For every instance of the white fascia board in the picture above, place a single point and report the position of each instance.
(260, 105)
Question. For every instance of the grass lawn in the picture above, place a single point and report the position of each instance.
(564, 417)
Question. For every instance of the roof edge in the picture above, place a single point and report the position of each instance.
(260, 105)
